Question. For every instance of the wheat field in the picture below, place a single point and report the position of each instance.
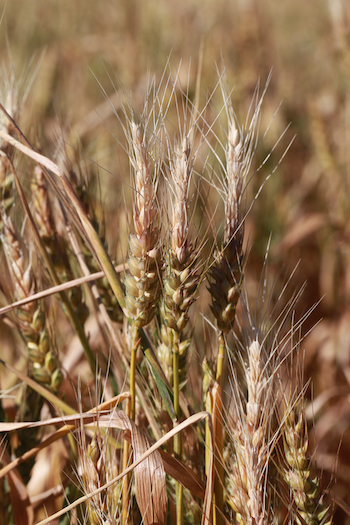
(174, 193)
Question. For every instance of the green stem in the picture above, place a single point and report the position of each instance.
(177, 438)
(130, 411)
(134, 347)
(126, 479)
(218, 507)
(220, 359)
(176, 384)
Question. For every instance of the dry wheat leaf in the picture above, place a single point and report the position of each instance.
(150, 485)
(101, 413)
(179, 471)
(22, 509)
(59, 288)
(6, 427)
(73, 421)
(195, 418)
(184, 474)
(23, 513)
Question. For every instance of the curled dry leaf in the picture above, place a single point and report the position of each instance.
(150, 485)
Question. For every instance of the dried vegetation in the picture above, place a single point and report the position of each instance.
(183, 378)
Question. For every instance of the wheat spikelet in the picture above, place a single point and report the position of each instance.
(249, 432)
(42, 208)
(98, 467)
(225, 275)
(181, 276)
(142, 284)
(54, 244)
(31, 318)
(304, 488)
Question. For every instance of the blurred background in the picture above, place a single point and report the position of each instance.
(79, 56)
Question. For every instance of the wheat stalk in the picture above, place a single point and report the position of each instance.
(142, 284)
(225, 278)
(181, 280)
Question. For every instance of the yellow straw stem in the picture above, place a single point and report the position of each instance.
(177, 437)
(218, 435)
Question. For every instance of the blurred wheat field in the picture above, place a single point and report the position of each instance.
(85, 71)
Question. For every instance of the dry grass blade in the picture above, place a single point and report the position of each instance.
(6, 427)
(103, 257)
(180, 472)
(149, 478)
(72, 421)
(56, 289)
(22, 510)
(209, 486)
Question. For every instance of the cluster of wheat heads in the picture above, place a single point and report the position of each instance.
(227, 443)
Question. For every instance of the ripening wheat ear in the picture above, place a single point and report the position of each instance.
(54, 243)
(99, 465)
(304, 487)
(142, 284)
(43, 363)
(225, 277)
(31, 317)
(254, 394)
(181, 280)
(181, 276)
(250, 430)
